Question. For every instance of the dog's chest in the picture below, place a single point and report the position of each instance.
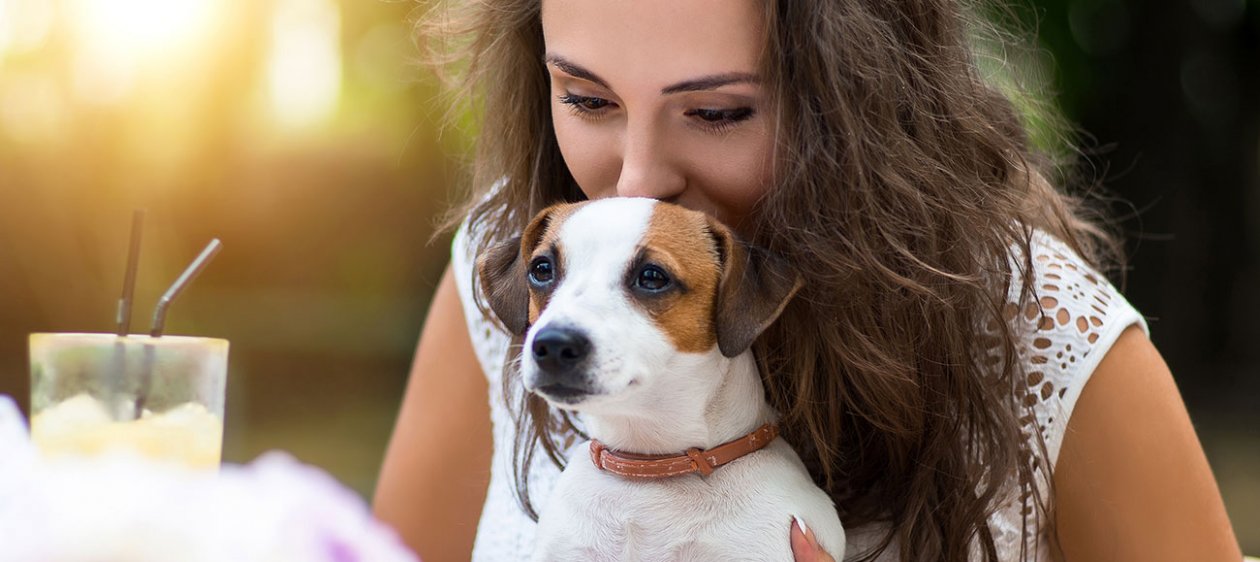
(598, 516)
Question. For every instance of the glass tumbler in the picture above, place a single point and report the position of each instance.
(159, 397)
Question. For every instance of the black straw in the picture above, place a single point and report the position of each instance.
(123, 315)
(159, 313)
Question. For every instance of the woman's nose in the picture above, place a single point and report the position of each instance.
(647, 169)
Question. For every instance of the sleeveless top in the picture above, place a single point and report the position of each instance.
(1062, 336)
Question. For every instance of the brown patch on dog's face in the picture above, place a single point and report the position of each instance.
(547, 248)
(678, 242)
(504, 268)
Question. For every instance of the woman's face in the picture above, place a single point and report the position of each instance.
(661, 99)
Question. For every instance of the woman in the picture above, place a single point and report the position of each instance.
(927, 372)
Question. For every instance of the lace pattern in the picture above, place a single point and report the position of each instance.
(1063, 334)
(1064, 331)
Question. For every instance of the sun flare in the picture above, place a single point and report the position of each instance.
(304, 62)
(142, 27)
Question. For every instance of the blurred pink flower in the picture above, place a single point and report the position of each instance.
(124, 508)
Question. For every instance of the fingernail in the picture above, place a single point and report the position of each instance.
(801, 549)
(800, 524)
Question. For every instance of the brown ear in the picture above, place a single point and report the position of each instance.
(754, 288)
(501, 268)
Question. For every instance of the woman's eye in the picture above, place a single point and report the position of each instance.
(583, 103)
(541, 271)
(720, 119)
(651, 278)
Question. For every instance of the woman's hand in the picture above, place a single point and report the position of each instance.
(805, 545)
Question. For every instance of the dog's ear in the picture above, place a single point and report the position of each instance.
(501, 268)
(755, 287)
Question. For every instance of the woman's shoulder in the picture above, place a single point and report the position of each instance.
(1063, 329)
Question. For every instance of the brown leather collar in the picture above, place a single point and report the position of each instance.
(694, 460)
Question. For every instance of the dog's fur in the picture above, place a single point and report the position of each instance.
(666, 371)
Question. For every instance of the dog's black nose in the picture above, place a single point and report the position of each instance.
(557, 351)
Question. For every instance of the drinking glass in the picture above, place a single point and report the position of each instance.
(161, 397)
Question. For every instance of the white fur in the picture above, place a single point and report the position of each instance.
(651, 398)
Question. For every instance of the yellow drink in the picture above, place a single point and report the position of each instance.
(188, 433)
(159, 397)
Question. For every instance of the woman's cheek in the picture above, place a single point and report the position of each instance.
(737, 175)
(589, 154)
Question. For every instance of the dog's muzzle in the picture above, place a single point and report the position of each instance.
(561, 355)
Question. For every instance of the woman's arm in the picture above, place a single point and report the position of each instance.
(1132, 482)
(433, 482)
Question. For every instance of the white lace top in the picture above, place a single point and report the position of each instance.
(1079, 317)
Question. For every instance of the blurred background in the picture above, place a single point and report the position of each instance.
(305, 136)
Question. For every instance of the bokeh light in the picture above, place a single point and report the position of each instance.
(32, 108)
(142, 28)
(304, 62)
(24, 25)
(119, 42)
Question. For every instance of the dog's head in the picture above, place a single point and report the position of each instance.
(616, 297)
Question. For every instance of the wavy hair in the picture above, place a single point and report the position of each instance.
(911, 190)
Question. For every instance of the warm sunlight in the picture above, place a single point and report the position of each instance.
(24, 25)
(148, 27)
(118, 42)
(304, 63)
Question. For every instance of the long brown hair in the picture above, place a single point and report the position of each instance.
(912, 192)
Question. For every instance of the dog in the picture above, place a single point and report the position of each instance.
(639, 316)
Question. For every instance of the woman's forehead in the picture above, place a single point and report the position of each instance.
(653, 44)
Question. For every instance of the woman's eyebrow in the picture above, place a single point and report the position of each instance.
(573, 69)
(711, 82)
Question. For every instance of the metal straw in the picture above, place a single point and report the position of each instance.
(123, 315)
(159, 313)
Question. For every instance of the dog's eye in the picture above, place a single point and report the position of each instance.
(652, 278)
(541, 271)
